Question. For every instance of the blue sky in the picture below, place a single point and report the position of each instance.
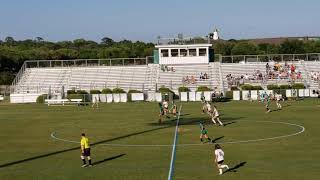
(57, 20)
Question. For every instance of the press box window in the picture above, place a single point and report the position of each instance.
(174, 52)
(192, 52)
(164, 53)
(183, 52)
(202, 52)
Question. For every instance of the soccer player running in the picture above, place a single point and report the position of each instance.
(173, 109)
(219, 159)
(85, 150)
(165, 105)
(213, 113)
(203, 101)
(278, 99)
(95, 102)
(204, 133)
(161, 113)
(216, 116)
(267, 101)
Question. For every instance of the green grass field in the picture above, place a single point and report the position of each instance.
(128, 143)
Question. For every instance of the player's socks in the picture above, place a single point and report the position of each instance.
(220, 122)
(214, 122)
(90, 162)
(225, 166)
(201, 140)
(220, 171)
(209, 139)
(84, 161)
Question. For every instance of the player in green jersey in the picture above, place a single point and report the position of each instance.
(204, 133)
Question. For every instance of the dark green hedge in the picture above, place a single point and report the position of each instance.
(118, 91)
(134, 91)
(183, 89)
(106, 91)
(285, 86)
(93, 91)
(165, 90)
(246, 87)
(257, 88)
(298, 86)
(71, 91)
(234, 88)
(41, 99)
(229, 94)
(273, 87)
(203, 88)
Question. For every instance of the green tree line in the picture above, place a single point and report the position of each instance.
(13, 53)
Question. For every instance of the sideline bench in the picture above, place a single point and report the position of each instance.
(63, 101)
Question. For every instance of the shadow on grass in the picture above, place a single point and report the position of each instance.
(234, 169)
(164, 125)
(216, 139)
(77, 148)
(229, 123)
(108, 159)
(193, 121)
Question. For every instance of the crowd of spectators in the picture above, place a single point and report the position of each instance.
(189, 80)
(203, 76)
(165, 68)
(315, 76)
(193, 80)
(274, 71)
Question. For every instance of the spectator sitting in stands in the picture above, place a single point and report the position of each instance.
(292, 68)
(267, 68)
(205, 76)
(201, 76)
(299, 76)
(193, 80)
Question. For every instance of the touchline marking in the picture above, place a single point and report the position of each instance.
(302, 129)
(173, 152)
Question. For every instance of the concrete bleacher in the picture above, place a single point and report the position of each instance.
(39, 80)
(312, 67)
(174, 79)
(147, 77)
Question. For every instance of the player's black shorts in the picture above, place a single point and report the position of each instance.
(221, 162)
(86, 152)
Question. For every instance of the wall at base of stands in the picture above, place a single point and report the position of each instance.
(23, 98)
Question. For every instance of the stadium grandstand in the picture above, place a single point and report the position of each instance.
(172, 66)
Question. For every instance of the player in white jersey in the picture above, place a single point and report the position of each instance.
(95, 102)
(219, 154)
(278, 99)
(165, 107)
(215, 116)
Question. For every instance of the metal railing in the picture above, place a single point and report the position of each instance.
(269, 57)
(80, 63)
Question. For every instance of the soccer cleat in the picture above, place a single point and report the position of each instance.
(90, 165)
(85, 165)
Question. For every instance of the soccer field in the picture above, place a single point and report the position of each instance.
(40, 142)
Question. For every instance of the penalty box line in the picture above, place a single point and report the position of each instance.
(174, 145)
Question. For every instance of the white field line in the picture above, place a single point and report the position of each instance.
(173, 152)
(302, 129)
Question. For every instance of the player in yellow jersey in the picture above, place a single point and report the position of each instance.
(85, 150)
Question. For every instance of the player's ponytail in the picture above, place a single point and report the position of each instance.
(217, 146)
